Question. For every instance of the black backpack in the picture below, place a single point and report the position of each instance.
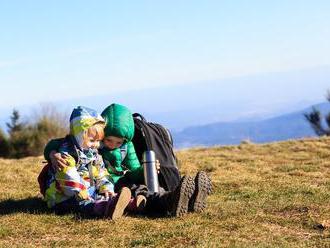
(152, 136)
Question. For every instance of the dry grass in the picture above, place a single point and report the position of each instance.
(272, 195)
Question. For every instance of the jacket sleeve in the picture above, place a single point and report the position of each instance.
(104, 182)
(52, 145)
(69, 181)
(132, 162)
(112, 160)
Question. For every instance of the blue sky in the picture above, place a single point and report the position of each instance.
(51, 50)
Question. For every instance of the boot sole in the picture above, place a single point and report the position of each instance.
(202, 190)
(187, 188)
(141, 202)
(122, 202)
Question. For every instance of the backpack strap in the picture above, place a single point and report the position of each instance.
(140, 122)
(138, 115)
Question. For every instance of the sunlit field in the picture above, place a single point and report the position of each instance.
(271, 195)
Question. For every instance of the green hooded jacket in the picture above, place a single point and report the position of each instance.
(120, 123)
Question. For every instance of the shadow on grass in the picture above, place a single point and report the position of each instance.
(35, 205)
(32, 205)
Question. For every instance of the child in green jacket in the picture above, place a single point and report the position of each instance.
(117, 148)
(119, 154)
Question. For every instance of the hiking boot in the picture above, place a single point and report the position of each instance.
(117, 205)
(203, 188)
(137, 204)
(181, 196)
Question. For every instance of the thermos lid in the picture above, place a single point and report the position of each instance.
(148, 156)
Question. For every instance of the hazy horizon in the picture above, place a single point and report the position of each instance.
(180, 106)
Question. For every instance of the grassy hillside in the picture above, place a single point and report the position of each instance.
(272, 195)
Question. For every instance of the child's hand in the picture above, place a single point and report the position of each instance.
(58, 160)
(158, 166)
(109, 194)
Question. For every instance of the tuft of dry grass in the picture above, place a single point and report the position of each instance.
(270, 195)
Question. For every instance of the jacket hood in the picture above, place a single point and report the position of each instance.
(118, 122)
(81, 119)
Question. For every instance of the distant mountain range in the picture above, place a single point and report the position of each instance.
(244, 98)
(288, 126)
(261, 108)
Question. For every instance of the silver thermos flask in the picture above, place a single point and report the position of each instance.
(150, 171)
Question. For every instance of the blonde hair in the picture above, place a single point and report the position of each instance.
(96, 131)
